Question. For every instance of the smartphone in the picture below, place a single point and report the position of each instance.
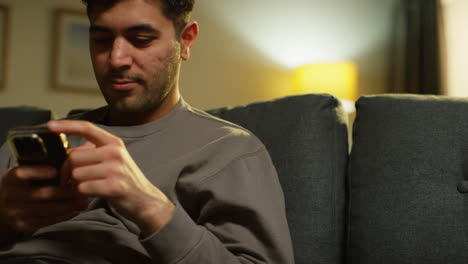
(36, 145)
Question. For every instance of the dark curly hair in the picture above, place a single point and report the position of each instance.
(178, 11)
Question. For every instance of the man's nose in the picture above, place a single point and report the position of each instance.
(120, 56)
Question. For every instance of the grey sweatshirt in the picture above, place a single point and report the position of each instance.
(229, 203)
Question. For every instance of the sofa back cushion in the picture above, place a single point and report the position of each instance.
(307, 139)
(410, 153)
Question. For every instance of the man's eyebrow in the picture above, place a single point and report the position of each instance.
(146, 28)
(96, 28)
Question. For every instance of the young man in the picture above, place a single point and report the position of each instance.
(154, 180)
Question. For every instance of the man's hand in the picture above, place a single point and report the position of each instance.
(104, 168)
(25, 207)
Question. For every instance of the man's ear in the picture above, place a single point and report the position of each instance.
(187, 39)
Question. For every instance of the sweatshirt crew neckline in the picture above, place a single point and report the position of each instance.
(143, 130)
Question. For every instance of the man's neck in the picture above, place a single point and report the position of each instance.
(116, 118)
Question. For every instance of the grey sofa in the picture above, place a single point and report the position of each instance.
(397, 197)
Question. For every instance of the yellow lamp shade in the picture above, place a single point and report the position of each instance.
(339, 79)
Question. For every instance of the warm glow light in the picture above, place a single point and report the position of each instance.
(339, 79)
(301, 31)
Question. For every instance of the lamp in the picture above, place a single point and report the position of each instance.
(336, 78)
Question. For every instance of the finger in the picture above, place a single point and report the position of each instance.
(95, 172)
(31, 173)
(65, 173)
(9, 177)
(65, 170)
(91, 132)
(86, 145)
(103, 188)
(22, 196)
(31, 224)
(30, 194)
(84, 157)
(50, 193)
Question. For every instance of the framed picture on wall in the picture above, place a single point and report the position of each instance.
(4, 20)
(72, 68)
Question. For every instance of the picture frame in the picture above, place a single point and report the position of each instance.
(4, 35)
(72, 68)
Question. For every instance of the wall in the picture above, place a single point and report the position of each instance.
(456, 23)
(246, 51)
(29, 56)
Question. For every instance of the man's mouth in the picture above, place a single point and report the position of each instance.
(123, 84)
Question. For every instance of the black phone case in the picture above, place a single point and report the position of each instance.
(36, 145)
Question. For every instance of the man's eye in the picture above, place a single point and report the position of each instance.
(142, 40)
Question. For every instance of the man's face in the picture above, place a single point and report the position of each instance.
(135, 55)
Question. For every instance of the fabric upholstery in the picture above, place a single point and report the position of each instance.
(307, 139)
(410, 154)
(21, 116)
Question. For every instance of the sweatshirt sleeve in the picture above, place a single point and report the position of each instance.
(241, 219)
